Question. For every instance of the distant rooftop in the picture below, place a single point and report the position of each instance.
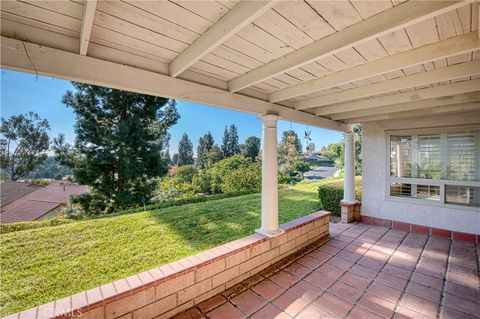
(39, 202)
(11, 191)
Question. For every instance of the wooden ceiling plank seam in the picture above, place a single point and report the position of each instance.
(38, 24)
(40, 14)
(87, 23)
(149, 21)
(435, 51)
(128, 41)
(68, 8)
(233, 21)
(410, 106)
(416, 95)
(388, 21)
(131, 29)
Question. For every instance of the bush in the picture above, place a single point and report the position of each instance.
(245, 178)
(202, 183)
(185, 174)
(330, 194)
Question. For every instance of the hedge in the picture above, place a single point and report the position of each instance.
(13, 227)
(330, 194)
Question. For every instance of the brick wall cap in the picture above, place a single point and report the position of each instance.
(347, 204)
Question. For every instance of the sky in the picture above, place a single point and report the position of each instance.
(22, 92)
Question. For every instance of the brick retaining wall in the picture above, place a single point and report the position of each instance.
(165, 291)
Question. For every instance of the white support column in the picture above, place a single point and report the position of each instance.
(269, 178)
(349, 170)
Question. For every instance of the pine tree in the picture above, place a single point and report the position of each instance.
(120, 137)
(230, 144)
(234, 145)
(205, 144)
(226, 142)
(185, 151)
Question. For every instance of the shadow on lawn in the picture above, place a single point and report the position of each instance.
(210, 224)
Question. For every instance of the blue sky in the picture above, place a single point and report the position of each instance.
(21, 93)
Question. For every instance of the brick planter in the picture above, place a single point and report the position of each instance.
(165, 291)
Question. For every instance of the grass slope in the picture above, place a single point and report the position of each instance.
(40, 265)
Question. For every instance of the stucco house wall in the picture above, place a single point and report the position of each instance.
(375, 173)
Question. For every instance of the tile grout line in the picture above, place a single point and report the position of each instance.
(378, 273)
(337, 280)
(397, 304)
(444, 284)
(301, 278)
(228, 300)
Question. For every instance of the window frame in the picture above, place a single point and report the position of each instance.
(442, 183)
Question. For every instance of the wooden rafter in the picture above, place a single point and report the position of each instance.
(410, 106)
(415, 80)
(410, 96)
(237, 18)
(87, 24)
(427, 53)
(401, 16)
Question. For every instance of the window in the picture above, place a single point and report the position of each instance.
(442, 167)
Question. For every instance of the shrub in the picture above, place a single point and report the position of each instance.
(202, 183)
(185, 174)
(330, 194)
(244, 178)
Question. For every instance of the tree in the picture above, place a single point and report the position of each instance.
(120, 138)
(50, 168)
(230, 144)
(205, 144)
(336, 151)
(185, 151)
(251, 148)
(23, 144)
(214, 155)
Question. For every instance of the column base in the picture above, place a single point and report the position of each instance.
(269, 233)
(350, 211)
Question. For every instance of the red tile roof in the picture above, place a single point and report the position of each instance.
(37, 203)
(11, 191)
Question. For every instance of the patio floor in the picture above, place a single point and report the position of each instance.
(361, 271)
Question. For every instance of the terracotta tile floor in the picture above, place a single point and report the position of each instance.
(361, 271)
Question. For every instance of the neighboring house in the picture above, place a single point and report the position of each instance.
(11, 191)
(41, 203)
(319, 159)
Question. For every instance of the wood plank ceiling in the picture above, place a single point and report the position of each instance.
(374, 75)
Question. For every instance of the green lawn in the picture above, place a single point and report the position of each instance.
(40, 265)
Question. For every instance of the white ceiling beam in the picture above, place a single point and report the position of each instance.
(410, 96)
(438, 50)
(452, 72)
(87, 24)
(75, 67)
(459, 108)
(410, 106)
(232, 22)
(401, 16)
